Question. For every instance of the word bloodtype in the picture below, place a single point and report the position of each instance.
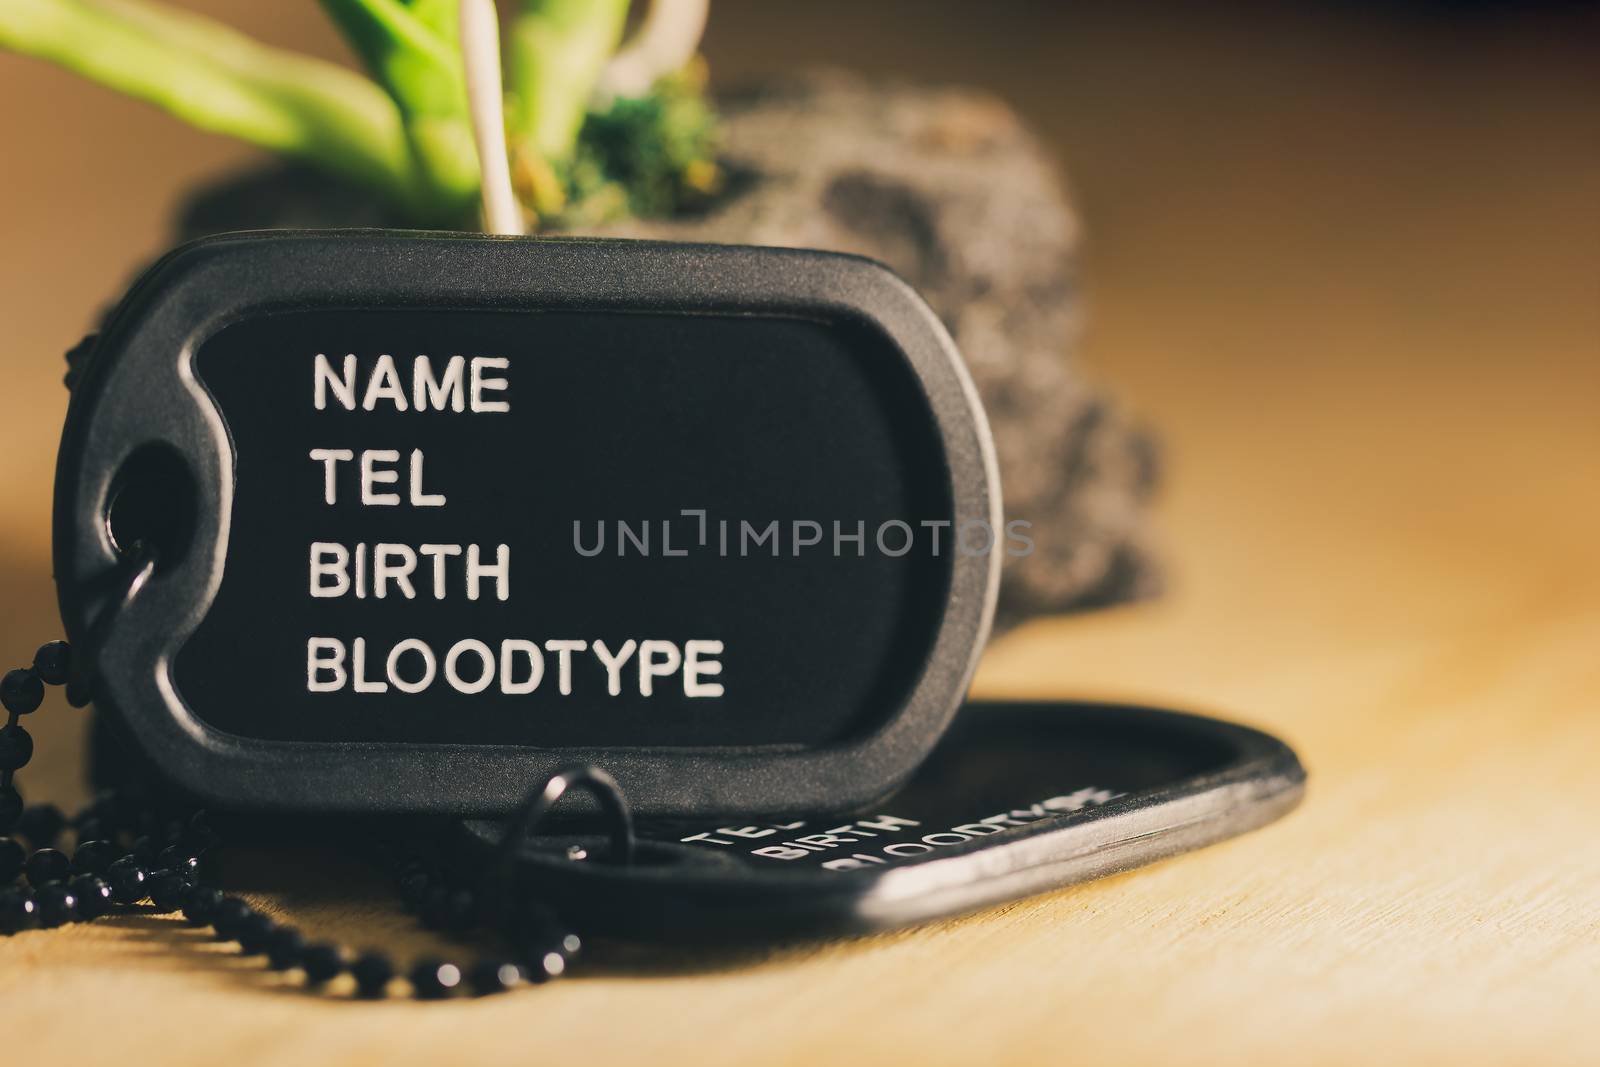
(516, 668)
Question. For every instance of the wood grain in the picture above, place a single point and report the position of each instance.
(1351, 269)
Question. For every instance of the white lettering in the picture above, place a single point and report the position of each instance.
(321, 568)
(651, 667)
(438, 553)
(323, 378)
(420, 499)
(613, 663)
(371, 476)
(696, 666)
(384, 385)
(428, 391)
(358, 665)
(452, 661)
(482, 383)
(430, 666)
(384, 572)
(330, 459)
(564, 651)
(317, 662)
(511, 647)
(500, 571)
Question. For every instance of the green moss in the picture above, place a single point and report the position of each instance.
(650, 156)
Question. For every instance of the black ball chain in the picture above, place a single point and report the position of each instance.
(129, 854)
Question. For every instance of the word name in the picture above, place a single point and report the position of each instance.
(464, 384)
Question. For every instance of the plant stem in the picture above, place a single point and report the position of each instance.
(664, 44)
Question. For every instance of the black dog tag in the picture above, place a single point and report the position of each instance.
(1017, 799)
(434, 514)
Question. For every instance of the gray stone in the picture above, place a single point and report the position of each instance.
(947, 187)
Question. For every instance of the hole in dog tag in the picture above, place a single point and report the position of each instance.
(1017, 799)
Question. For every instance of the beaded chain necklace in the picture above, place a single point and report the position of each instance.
(139, 854)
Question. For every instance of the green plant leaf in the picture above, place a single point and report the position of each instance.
(443, 17)
(217, 79)
(414, 53)
(557, 49)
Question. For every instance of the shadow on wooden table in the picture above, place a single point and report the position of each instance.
(335, 898)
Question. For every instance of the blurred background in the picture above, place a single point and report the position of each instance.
(1386, 198)
(1345, 259)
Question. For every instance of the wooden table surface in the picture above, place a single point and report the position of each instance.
(1350, 267)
